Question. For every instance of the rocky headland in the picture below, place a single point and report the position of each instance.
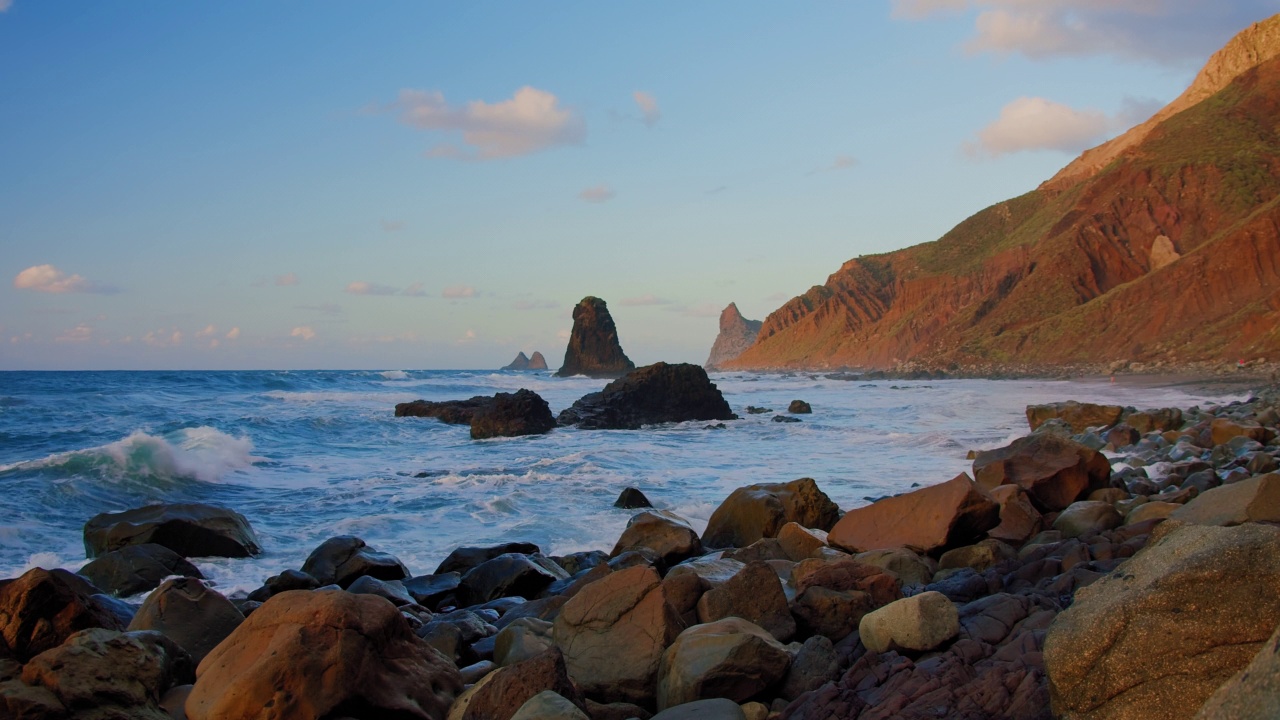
(1113, 563)
(593, 348)
(736, 335)
(1158, 247)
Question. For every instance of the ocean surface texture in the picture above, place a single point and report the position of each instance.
(309, 455)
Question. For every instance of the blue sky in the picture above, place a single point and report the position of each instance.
(434, 185)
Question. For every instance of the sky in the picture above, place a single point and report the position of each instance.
(420, 185)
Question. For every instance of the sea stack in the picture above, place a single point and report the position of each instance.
(736, 335)
(537, 362)
(594, 349)
(520, 363)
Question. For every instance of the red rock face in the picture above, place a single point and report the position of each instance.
(1065, 274)
(594, 349)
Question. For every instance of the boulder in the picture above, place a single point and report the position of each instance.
(759, 511)
(502, 693)
(523, 412)
(392, 590)
(632, 499)
(613, 634)
(846, 573)
(713, 569)
(431, 590)
(829, 613)
(549, 705)
(1254, 500)
(668, 535)
(106, 674)
(1080, 416)
(755, 595)
(979, 557)
(654, 394)
(712, 709)
(453, 412)
(340, 560)
(1150, 511)
(323, 653)
(513, 574)
(1162, 420)
(463, 559)
(1122, 436)
(593, 348)
(918, 623)
(522, 639)
(42, 608)
(1019, 519)
(1087, 516)
(798, 542)
(1251, 694)
(188, 529)
(910, 568)
(1157, 636)
(799, 407)
(736, 335)
(287, 580)
(1055, 471)
(814, 664)
(136, 568)
(189, 613)
(1222, 430)
(729, 658)
(934, 518)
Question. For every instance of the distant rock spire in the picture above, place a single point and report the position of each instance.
(736, 335)
(594, 349)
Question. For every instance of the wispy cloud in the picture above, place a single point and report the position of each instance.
(1034, 123)
(841, 162)
(208, 331)
(233, 333)
(287, 279)
(305, 332)
(391, 226)
(360, 287)
(414, 290)
(47, 278)
(530, 121)
(597, 194)
(1161, 30)
(467, 337)
(456, 292)
(643, 300)
(650, 113)
(79, 334)
(163, 338)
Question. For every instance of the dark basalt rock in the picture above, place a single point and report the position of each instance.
(464, 558)
(593, 348)
(341, 560)
(657, 393)
(453, 412)
(137, 568)
(786, 419)
(285, 581)
(799, 407)
(512, 415)
(430, 590)
(631, 498)
(189, 529)
(505, 575)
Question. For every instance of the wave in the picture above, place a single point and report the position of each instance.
(200, 453)
(395, 375)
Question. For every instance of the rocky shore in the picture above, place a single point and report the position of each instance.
(1114, 563)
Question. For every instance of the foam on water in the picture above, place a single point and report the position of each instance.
(200, 453)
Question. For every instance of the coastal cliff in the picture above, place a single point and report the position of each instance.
(1162, 245)
(736, 335)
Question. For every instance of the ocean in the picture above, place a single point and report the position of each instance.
(309, 455)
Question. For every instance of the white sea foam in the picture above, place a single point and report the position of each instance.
(200, 453)
(395, 374)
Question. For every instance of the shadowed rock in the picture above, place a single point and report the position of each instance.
(189, 529)
(736, 335)
(658, 393)
(593, 348)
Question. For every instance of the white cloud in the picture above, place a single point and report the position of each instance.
(458, 291)
(163, 338)
(467, 337)
(530, 121)
(414, 290)
(650, 113)
(305, 332)
(208, 331)
(1162, 30)
(233, 333)
(643, 300)
(598, 194)
(1032, 123)
(47, 278)
(361, 287)
(214, 343)
(78, 334)
(287, 279)
(563, 334)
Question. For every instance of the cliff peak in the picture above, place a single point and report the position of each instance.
(736, 335)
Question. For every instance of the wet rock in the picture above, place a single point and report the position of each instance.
(683, 591)
(946, 515)
(713, 569)
(1201, 599)
(759, 511)
(574, 563)
(654, 394)
(593, 348)
(1087, 516)
(799, 407)
(1080, 416)
(432, 590)
(324, 653)
(729, 658)
(800, 543)
(192, 615)
(1122, 436)
(1054, 471)
(521, 640)
(463, 559)
(42, 608)
(1254, 500)
(287, 580)
(341, 560)
(188, 529)
(666, 534)
(753, 410)
(136, 568)
(613, 634)
(392, 590)
(523, 412)
(452, 412)
(503, 576)
(631, 499)
(917, 623)
(1019, 519)
(786, 419)
(502, 693)
(755, 595)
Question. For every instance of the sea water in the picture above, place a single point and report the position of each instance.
(309, 455)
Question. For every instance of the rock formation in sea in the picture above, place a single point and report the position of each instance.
(658, 393)
(1158, 246)
(526, 362)
(593, 348)
(736, 334)
(523, 412)
(537, 361)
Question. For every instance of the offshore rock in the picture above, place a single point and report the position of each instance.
(524, 362)
(593, 348)
(136, 568)
(189, 529)
(658, 393)
(453, 412)
(736, 335)
(523, 412)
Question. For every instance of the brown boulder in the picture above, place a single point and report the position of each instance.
(502, 693)
(800, 543)
(1055, 471)
(1251, 694)
(759, 511)
(846, 573)
(729, 658)
(755, 595)
(1254, 500)
(190, 614)
(830, 613)
(42, 608)
(1162, 420)
(1080, 416)
(613, 634)
(1157, 636)
(1019, 519)
(909, 567)
(668, 535)
(1221, 430)
(949, 514)
(324, 653)
(593, 348)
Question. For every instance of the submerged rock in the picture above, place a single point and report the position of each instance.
(658, 393)
(593, 348)
(453, 412)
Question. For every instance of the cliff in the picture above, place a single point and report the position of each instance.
(1161, 245)
(736, 335)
